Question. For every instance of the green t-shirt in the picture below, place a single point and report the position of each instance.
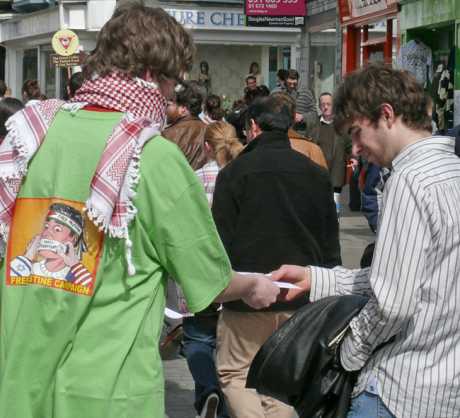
(79, 337)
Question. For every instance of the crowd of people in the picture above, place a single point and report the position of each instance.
(140, 178)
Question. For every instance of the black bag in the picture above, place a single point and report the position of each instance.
(298, 364)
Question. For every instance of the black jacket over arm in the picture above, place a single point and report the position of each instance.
(273, 206)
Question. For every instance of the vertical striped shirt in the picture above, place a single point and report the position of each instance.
(407, 337)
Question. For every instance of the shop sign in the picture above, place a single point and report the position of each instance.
(275, 7)
(225, 18)
(364, 7)
(215, 19)
(275, 21)
(65, 42)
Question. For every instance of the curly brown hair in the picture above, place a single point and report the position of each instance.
(363, 92)
(138, 39)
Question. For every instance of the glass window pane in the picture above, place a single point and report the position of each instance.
(30, 65)
(272, 66)
(50, 75)
(287, 57)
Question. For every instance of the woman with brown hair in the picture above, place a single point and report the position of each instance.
(221, 142)
(199, 338)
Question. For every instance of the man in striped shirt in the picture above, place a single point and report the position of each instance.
(406, 340)
(306, 115)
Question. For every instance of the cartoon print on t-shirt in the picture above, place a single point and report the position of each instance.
(56, 252)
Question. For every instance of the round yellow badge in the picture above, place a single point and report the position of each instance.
(65, 42)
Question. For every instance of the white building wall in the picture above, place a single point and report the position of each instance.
(99, 12)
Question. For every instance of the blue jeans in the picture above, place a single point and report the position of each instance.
(368, 405)
(199, 342)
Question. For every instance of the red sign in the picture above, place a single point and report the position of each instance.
(275, 7)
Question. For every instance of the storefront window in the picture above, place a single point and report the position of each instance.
(430, 55)
(30, 64)
(322, 61)
(286, 57)
(50, 74)
(272, 66)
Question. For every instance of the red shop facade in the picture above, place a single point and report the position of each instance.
(370, 32)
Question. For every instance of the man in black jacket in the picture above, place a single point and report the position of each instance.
(272, 204)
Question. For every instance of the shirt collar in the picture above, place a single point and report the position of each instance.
(272, 139)
(440, 143)
(327, 122)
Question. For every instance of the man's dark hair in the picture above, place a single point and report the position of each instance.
(282, 74)
(250, 77)
(269, 114)
(326, 93)
(214, 108)
(263, 90)
(286, 100)
(190, 97)
(138, 39)
(251, 95)
(31, 89)
(292, 74)
(363, 92)
(8, 107)
(2, 88)
(75, 83)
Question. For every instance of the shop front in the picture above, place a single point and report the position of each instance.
(27, 40)
(429, 49)
(223, 42)
(323, 47)
(370, 32)
(228, 47)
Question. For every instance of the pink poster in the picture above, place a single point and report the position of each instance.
(275, 7)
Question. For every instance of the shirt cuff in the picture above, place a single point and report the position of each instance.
(323, 281)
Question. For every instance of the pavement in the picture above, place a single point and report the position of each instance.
(354, 237)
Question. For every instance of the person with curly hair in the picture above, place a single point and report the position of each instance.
(403, 344)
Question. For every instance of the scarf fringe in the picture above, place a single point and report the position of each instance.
(4, 231)
(74, 107)
(145, 83)
(129, 188)
(20, 146)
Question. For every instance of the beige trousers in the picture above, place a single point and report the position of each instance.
(239, 337)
